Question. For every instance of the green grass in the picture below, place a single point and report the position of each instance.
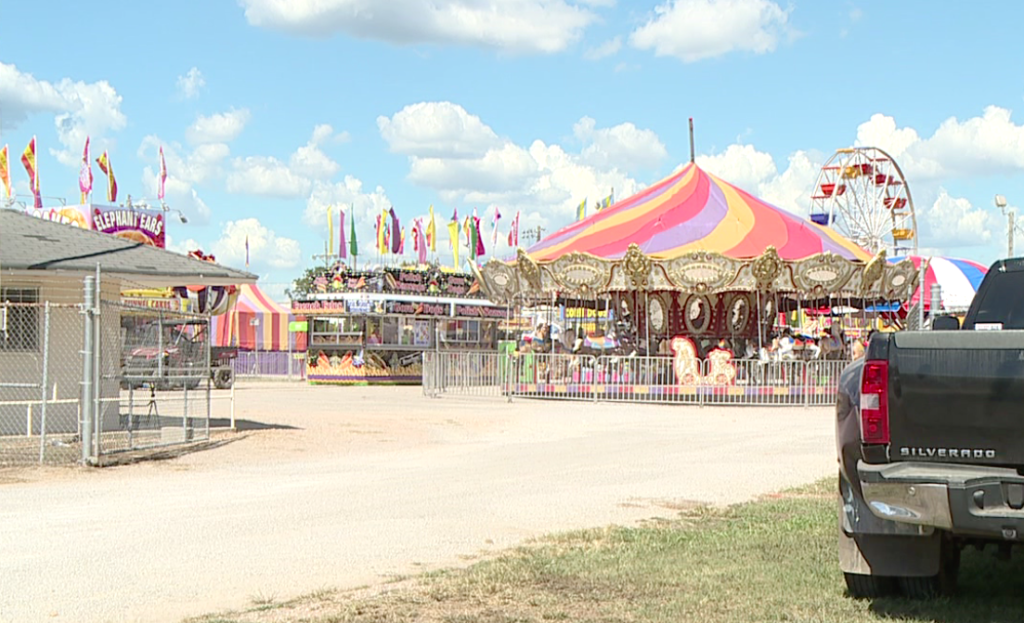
(770, 560)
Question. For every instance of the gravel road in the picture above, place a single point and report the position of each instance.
(350, 486)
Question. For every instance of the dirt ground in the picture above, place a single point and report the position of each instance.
(334, 487)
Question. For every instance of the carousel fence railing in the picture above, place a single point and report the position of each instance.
(612, 378)
(466, 373)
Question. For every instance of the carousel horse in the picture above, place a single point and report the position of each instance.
(721, 369)
(685, 363)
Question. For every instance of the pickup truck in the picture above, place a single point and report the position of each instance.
(930, 441)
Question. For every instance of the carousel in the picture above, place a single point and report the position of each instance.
(693, 262)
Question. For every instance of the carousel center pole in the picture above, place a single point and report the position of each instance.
(692, 153)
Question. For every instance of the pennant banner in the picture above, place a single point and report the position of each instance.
(163, 175)
(85, 173)
(108, 170)
(5, 170)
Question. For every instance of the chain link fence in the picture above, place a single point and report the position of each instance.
(39, 384)
(84, 376)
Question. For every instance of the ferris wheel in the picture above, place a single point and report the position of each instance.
(861, 192)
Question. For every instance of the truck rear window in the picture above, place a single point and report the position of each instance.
(1003, 301)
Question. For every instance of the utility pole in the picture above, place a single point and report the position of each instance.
(1011, 215)
(531, 236)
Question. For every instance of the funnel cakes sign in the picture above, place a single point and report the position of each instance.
(137, 225)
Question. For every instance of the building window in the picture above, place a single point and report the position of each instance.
(19, 319)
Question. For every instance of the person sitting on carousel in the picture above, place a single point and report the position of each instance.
(786, 344)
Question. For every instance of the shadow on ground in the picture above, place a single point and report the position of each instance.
(162, 454)
(988, 590)
(249, 425)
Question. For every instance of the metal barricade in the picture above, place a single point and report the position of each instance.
(466, 373)
(632, 379)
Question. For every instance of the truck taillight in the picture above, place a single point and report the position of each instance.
(874, 402)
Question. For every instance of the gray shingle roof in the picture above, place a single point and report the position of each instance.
(29, 243)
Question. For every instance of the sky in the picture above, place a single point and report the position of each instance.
(269, 111)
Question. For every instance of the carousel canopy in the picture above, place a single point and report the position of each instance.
(694, 234)
(693, 210)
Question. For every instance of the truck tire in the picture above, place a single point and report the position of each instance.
(223, 378)
(868, 586)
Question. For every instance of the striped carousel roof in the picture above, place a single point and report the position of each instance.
(693, 210)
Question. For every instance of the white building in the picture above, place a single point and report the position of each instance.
(43, 266)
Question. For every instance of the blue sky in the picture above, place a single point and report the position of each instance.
(269, 112)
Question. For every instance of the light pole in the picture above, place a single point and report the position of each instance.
(1011, 216)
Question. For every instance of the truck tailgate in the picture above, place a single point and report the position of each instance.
(957, 397)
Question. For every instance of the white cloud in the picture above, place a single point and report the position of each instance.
(266, 177)
(217, 128)
(80, 109)
(740, 165)
(266, 248)
(269, 177)
(438, 130)
(310, 161)
(191, 83)
(691, 30)
(624, 146)
(991, 144)
(951, 223)
(202, 165)
(606, 49)
(525, 26)
(469, 164)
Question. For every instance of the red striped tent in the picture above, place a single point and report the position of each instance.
(255, 323)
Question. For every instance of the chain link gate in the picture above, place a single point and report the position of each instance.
(156, 378)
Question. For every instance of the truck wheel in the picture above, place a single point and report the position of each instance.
(942, 583)
(223, 378)
(868, 586)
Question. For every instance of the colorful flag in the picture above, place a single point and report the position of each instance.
(28, 160)
(382, 232)
(419, 239)
(581, 211)
(494, 234)
(247, 251)
(108, 170)
(330, 231)
(5, 170)
(453, 237)
(396, 236)
(163, 176)
(474, 237)
(513, 232)
(353, 246)
(609, 200)
(401, 244)
(432, 231)
(85, 173)
(342, 247)
(480, 250)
